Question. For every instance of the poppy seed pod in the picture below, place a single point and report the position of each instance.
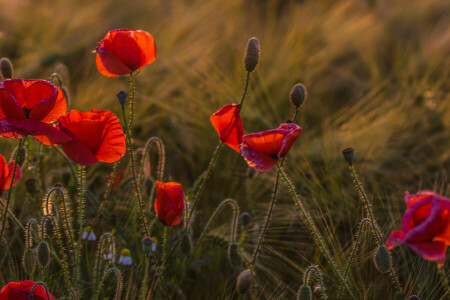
(20, 153)
(245, 219)
(185, 244)
(349, 155)
(43, 254)
(382, 259)
(6, 68)
(122, 97)
(251, 54)
(147, 245)
(304, 293)
(244, 282)
(298, 95)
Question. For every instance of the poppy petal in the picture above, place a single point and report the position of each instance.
(110, 65)
(44, 133)
(7, 183)
(9, 108)
(49, 110)
(169, 203)
(257, 160)
(228, 125)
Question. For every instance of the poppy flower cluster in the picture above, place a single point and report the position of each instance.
(425, 226)
(22, 290)
(260, 150)
(6, 173)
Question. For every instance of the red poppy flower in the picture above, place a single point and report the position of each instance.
(21, 291)
(425, 226)
(169, 203)
(262, 150)
(28, 106)
(6, 174)
(96, 136)
(228, 125)
(123, 51)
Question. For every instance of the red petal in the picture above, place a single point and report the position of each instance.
(9, 108)
(7, 184)
(257, 160)
(44, 133)
(49, 110)
(169, 203)
(228, 125)
(4, 171)
(110, 65)
(21, 291)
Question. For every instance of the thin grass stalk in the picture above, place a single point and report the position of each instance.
(12, 216)
(314, 231)
(8, 199)
(118, 283)
(102, 244)
(319, 275)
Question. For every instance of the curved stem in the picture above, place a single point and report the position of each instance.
(8, 200)
(34, 287)
(314, 231)
(118, 284)
(305, 281)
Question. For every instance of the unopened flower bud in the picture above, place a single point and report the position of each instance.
(31, 185)
(147, 245)
(19, 154)
(349, 155)
(245, 219)
(304, 293)
(122, 97)
(43, 254)
(244, 282)
(251, 54)
(6, 68)
(298, 95)
(383, 259)
(185, 244)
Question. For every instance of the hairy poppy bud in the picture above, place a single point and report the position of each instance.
(185, 244)
(122, 97)
(383, 259)
(349, 155)
(20, 154)
(43, 254)
(244, 282)
(233, 254)
(298, 95)
(31, 185)
(147, 245)
(251, 54)
(245, 219)
(6, 68)
(304, 293)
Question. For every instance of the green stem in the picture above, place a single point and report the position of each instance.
(81, 177)
(314, 231)
(245, 91)
(133, 169)
(144, 282)
(8, 200)
(295, 114)
(163, 260)
(34, 287)
(12, 216)
(132, 99)
(305, 282)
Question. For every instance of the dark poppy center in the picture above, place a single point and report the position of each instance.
(27, 112)
(274, 156)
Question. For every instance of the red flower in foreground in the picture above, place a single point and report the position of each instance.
(96, 136)
(262, 150)
(169, 203)
(21, 291)
(425, 226)
(6, 174)
(28, 106)
(228, 125)
(123, 51)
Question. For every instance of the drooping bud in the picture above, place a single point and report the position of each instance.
(233, 254)
(50, 227)
(244, 282)
(245, 219)
(43, 254)
(6, 68)
(122, 97)
(251, 54)
(185, 244)
(349, 155)
(304, 293)
(383, 259)
(31, 185)
(298, 95)
(147, 245)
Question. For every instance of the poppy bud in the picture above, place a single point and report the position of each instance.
(298, 95)
(122, 97)
(233, 254)
(304, 293)
(245, 219)
(28, 261)
(49, 227)
(31, 185)
(147, 245)
(349, 155)
(6, 68)
(244, 282)
(251, 54)
(43, 254)
(20, 155)
(383, 259)
(185, 244)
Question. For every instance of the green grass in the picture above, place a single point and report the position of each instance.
(377, 75)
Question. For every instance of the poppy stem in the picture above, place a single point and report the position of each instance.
(295, 114)
(12, 216)
(8, 199)
(132, 97)
(133, 169)
(319, 275)
(81, 177)
(245, 91)
(163, 259)
(108, 188)
(35, 286)
(314, 231)
(144, 281)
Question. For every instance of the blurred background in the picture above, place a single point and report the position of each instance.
(377, 74)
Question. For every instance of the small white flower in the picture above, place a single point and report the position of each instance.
(92, 236)
(88, 234)
(108, 256)
(125, 257)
